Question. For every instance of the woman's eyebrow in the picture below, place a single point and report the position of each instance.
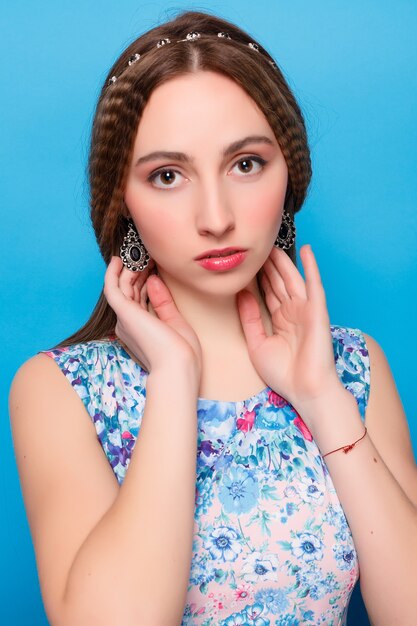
(185, 158)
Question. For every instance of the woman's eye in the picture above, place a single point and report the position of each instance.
(166, 178)
(170, 178)
(246, 165)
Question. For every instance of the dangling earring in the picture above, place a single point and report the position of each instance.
(286, 235)
(132, 251)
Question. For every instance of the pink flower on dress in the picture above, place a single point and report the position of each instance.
(127, 435)
(246, 422)
(242, 593)
(303, 428)
(276, 400)
(194, 611)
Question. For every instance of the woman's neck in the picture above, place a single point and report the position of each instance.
(215, 320)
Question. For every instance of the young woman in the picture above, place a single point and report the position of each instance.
(214, 452)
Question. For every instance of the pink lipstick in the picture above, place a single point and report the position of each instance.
(221, 260)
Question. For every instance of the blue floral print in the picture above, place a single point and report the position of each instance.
(272, 545)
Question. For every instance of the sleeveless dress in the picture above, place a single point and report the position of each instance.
(272, 546)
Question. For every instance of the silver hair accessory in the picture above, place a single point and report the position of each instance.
(132, 251)
(133, 59)
(286, 234)
(193, 36)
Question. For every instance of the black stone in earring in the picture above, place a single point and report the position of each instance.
(286, 235)
(132, 251)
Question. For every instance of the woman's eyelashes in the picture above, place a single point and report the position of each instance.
(248, 161)
(169, 176)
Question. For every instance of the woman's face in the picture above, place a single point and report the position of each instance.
(222, 185)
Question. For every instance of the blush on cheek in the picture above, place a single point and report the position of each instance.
(158, 229)
(265, 210)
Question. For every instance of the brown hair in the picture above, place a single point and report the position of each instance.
(121, 104)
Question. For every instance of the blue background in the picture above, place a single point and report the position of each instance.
(353, 68)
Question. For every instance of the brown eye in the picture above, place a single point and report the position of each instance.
(250, 165)
(246, 165)
(165, 178)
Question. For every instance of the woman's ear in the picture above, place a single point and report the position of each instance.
(124, 210)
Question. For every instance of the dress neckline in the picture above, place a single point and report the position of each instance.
(200, 399)
(235, 402)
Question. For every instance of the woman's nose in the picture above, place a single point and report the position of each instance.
(214, 213)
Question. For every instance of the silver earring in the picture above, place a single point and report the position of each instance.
(133, 253)
(286, 235)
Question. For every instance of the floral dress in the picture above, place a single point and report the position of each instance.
(272, 546)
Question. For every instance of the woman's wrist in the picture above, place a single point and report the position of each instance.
(333, 419)
(182, 373)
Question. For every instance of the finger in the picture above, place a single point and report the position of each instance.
(143, 295)
(314, 285)
(136, 292)
(272, 301)
(128, 280)
(112, 292)
(161, 300)
(293, 280)
(250, 317)
(275, 279)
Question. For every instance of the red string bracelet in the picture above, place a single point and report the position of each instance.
(348, 448)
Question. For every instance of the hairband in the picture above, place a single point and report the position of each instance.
(193, 36)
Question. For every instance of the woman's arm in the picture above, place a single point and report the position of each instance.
(376, 483)
(107, 555)
(139, 554)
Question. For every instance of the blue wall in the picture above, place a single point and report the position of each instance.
(353, 67)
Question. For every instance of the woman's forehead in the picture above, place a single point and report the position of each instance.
(203, 107)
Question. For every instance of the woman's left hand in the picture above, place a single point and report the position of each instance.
(297, 360)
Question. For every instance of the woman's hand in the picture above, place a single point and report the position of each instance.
(297, 360)
(156, 343)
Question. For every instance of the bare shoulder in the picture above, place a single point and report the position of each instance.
(35, 374)
(67, 483)
(40, 388)
(387, 423)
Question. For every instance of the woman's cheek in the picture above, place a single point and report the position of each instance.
(161, 231)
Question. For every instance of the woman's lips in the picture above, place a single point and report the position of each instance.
(219, 252)
(223, 263)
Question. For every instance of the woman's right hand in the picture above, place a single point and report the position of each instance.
(155, 341)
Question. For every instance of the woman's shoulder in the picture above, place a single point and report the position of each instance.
(349, 341)
(41, 371)
(84, 350)
(38, 379)
(96, 363)
(352, 362)
(91, 356)
(350, 348)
